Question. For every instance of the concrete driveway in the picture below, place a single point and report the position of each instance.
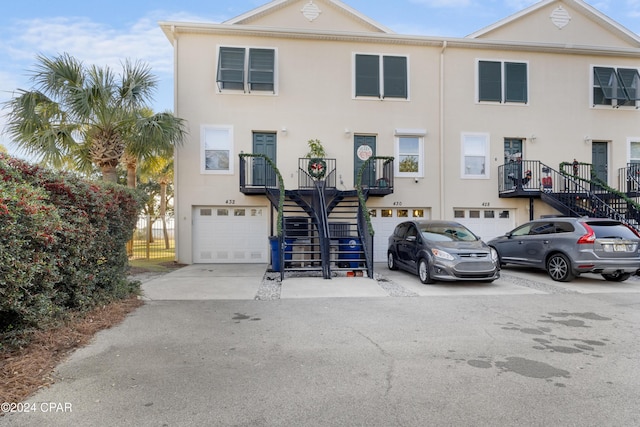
(252, 281)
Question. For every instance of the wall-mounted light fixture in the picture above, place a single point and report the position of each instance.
(533, 137)
(587, 139)
(284, 130)
(347, 132)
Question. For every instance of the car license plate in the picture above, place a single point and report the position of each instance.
(619, 248)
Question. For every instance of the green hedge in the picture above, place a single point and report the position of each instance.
(62, 243)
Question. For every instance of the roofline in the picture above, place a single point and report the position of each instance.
(577, 3)
(280, 3)
(172, 29)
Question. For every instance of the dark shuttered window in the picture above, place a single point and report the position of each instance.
(367, 75)
(381, 76)
(256, 74)
(395, 76)
(502, 82)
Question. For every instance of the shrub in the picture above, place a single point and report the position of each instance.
(63, 243)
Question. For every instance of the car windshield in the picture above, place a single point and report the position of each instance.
(447, 233)
(612, 230)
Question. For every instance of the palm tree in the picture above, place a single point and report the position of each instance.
(160, 170)
(90, 115)
(153, 141)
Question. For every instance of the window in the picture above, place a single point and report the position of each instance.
(475, 155)
(409, 152)
(248, 70)
(616, 87)
(634, 150)
(217, 150)
(504, 82)
(381, 76)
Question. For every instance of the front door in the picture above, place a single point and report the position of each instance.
(600, 160)
(264, 143)
(512, 162)
(364, 146)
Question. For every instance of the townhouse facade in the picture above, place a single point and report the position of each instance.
(474, 125)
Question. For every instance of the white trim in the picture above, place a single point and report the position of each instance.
(410, 132)
(592, 83)
(420, 154)
(245, 83)
(275, 4)
(486, 140)
(229, 146)
(503, 82)
(630, 140)
(578, 4)
(381, 75)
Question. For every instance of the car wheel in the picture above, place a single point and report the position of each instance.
(616, 277)
(391, 261)
(559, 268)
(423, 272)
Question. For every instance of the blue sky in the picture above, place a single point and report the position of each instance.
(107, 32)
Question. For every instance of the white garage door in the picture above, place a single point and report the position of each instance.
(384, 220)
(223, 234)
(486, 223)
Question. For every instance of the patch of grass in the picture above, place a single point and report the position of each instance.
(162, 265)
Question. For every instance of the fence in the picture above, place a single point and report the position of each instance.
(153, 238)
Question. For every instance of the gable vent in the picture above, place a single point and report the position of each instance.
(560, 17)
(311, 11)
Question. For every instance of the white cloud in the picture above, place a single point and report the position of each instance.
(91, 42)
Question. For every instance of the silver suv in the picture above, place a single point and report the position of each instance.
(567, 247)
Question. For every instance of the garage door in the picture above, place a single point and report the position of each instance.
(486, 223)
(223, 234)
(385, 220)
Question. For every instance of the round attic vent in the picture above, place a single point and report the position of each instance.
(311, 11)
(560, 17)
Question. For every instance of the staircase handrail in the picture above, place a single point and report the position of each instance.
(596, 180)
(361, 197)
(323, 222)
(280, 220)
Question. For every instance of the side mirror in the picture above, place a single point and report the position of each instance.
(411, 238)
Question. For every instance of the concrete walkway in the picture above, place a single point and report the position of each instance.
(252, 281)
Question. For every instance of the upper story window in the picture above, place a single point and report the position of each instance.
(409, 152)
(216, 149)
(381, 76)
(500, 81)
(248, 70)
(616, 87)
(475, 155)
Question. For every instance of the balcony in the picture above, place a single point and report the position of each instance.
(259, 175)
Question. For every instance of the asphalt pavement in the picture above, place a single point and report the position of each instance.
(219, 345)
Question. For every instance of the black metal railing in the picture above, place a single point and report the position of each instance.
(629, 179)
(312, 170)
(523, 175)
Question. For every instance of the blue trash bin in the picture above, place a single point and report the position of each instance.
(350, 249)
(275, 252)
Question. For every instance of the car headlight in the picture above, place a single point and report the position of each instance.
(494, 255)
(442, 254)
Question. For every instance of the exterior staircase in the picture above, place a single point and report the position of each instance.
(320, 230)
(574, 189)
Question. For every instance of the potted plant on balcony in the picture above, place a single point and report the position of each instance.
(317, 167)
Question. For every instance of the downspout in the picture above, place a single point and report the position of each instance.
(176, 195)
(441, 130)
